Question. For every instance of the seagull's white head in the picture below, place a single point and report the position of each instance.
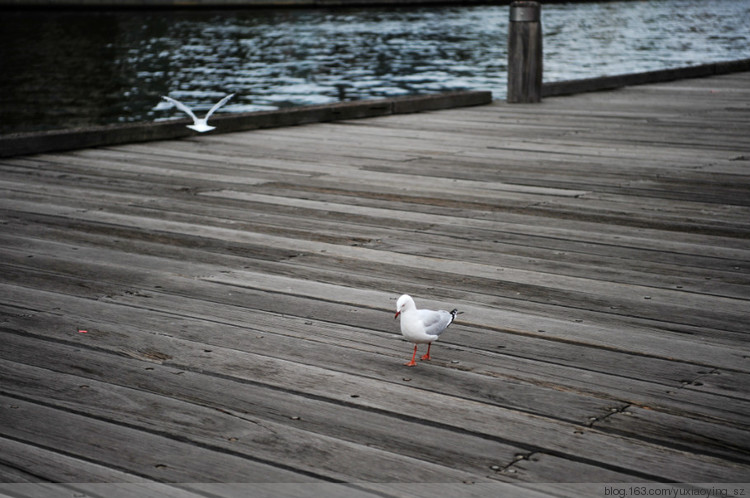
(404, 303)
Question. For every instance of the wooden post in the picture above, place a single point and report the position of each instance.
(524, 53)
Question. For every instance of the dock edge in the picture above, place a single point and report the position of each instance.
(18, 144)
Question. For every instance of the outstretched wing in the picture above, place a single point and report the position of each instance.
(219, 104)
(181, 107)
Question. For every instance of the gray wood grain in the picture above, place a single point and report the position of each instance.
(227, 300)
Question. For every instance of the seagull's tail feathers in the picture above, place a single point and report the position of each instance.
(453, 315)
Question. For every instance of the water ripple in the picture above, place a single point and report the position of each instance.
(81, 68)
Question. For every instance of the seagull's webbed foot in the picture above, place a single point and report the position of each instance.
(413, 363)
(427, 356)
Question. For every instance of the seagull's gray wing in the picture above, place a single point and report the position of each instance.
(218, 104)
(435, 322)
(181, 107)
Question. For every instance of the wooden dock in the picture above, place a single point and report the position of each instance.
(219, 309)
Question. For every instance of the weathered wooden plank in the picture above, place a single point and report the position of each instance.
(619, 387)
(274, 408)
(32, 463)
(730, 309)
(567, 255)
(135, 174)
(661, 394)
(486, 317)
(539, 467)
(208, 158)
(340, 173)
(221, 427)
(589, 146)
(502, 316)
(348, 350)
(370, 276)
(477, 229)
(471, 454)
(590, 445)
(552, 328)
(408, 136)
(510, 224)
(119, 446)
(598, 245)
(128, 280)
(427, 490)
(693, 435)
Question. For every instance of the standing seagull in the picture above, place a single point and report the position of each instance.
(420, 326)
(199, 125)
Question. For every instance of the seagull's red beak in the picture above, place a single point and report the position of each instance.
(397, 313)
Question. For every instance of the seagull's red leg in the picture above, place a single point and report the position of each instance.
(427, 356)
(412, 363)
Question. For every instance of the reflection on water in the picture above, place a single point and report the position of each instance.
(66, 69)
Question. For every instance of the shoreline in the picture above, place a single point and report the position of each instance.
(18, 144)
(93, 136)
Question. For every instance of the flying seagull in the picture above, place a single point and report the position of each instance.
(420, 326)
(199, 125)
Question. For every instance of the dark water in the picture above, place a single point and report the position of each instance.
(66, 69)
